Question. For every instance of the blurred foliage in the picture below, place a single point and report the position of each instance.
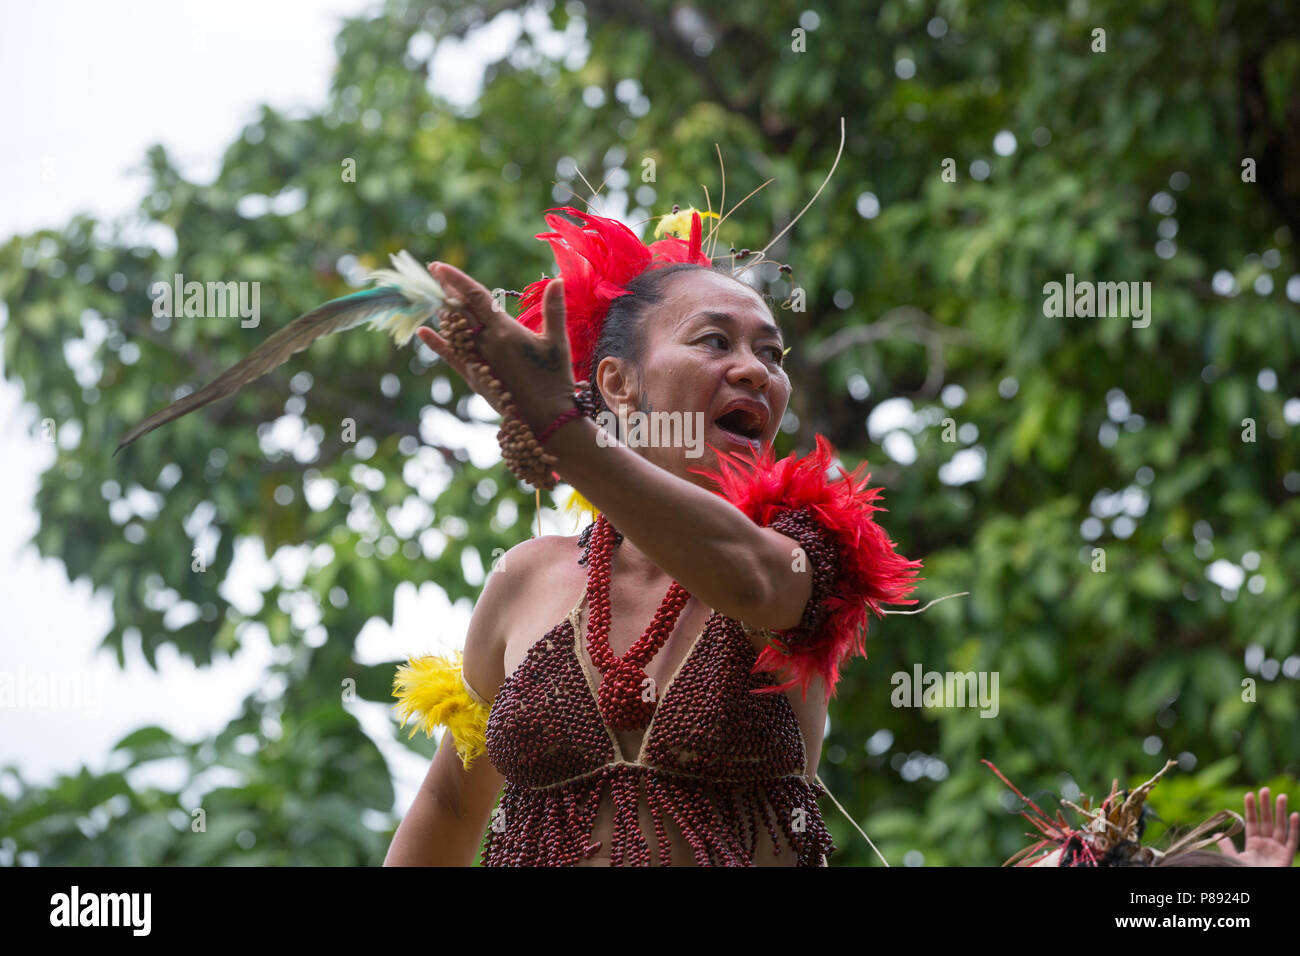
(930, 285)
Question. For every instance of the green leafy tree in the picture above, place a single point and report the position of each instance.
(1127, 164)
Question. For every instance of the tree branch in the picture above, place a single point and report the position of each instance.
(905, 321)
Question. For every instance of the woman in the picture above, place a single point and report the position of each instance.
(619, 743)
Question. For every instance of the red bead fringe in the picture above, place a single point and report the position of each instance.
(553, 826)
(717, 759)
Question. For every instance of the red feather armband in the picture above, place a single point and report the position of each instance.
(854, 565)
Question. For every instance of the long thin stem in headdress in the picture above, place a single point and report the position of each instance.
(572, 194)
(756, 258)
(595, 192)
(761, 255)
(838, 153)
(722, 201)
(737, 206)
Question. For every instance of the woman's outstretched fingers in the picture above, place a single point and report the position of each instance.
(553, 313)
(440, 345)
(478, 300)
(433, 339)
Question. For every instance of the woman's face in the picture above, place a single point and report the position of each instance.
(710, 348)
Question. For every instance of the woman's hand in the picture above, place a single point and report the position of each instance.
(536, 369)
(1269, 839)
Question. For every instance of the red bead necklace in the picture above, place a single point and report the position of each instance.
(626, 698)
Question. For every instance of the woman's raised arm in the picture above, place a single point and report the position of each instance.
(704, 542)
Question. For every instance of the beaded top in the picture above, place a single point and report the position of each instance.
(718, 757)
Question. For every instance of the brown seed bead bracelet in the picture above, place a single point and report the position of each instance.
(521, 450)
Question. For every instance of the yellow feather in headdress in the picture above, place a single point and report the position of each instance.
(679, 223)
(433, 690)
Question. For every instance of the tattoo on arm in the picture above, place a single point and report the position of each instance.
(548, 360)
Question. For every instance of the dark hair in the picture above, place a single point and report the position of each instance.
(1199, 858)
(1127, 854)
(623, 333)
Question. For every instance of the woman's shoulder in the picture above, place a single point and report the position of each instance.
(540, 551)
(529, 572)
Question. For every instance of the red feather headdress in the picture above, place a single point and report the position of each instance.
(596, 260)
(871, 571)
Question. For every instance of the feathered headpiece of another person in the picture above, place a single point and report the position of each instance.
(1112, 832)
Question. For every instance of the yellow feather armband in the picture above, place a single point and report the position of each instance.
(434, 691)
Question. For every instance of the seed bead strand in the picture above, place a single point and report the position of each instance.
(520, 448)
(724, 763)
(621, 699)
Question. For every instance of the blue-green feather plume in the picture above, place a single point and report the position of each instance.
(404, 298)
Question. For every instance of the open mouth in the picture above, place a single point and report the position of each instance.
(744, 423)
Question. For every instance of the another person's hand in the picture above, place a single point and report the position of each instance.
(536, 369)
(1271, 839)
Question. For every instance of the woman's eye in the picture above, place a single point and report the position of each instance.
(777, 354)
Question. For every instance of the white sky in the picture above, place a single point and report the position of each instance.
(88, 88)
